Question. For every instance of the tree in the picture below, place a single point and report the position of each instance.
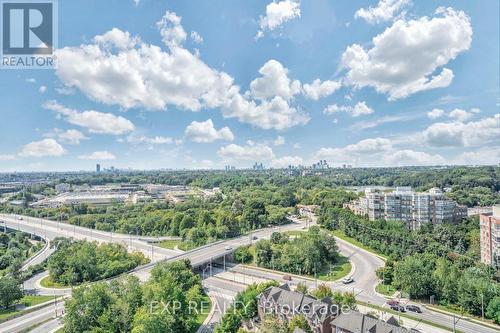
(413, 275)
(493, 309)
(243, 255)
(299, 321)
(10, 291)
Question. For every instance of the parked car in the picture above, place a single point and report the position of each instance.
(413, 308)
(398, 308)
(287, 277)
(392, 302)
(347, 280)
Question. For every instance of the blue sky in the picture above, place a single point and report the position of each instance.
(202, 84)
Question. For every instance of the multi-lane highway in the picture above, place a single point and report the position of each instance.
(365, 264)
(50, 230)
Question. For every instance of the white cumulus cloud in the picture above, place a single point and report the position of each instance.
(408, 56)
(93, 121)
(274, 82)
(435, 113)
(277, 13)
(317, 89)
(460, 134)
(43, 148)
(233, 152)
(384, 11)
(205, 132)
(357, 110)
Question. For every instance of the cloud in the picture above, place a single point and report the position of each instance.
(42, 89)
(460, 115)
(171, 30)
(406, 58)
(384, 11)
(274, 82)
(237, 153)
(278, 13)
(362, 125)
(205, 132)
(269, 114)
(7, 157)
(31, 80)
(285, 161)
(377, 152)
(42, 148)
(460, 134)
(279, 141)
(93, 121)
(481, 156)
(357, 110)
(118, 69)
(318, 89)
(98, 155)
(156, 140)
(71, 136)
(435, 113)
(196, 37)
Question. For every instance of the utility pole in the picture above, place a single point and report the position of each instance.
(482, 306)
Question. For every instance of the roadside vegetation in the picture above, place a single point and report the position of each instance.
(15, 248)
(75, 262)
(160, 305)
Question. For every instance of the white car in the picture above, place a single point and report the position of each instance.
(19, 217)
(228, 248)
(347, 280)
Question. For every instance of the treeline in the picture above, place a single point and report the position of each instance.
(309, 253)
(439, 262)
(75, 262)
(393, 239)
(15, 248)
(449, 280)
(169, 302)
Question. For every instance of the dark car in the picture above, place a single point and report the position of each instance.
(398, 308)
(413, 308)
(287, 277)
(392, 302)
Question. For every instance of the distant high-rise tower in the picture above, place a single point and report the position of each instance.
(97, 167)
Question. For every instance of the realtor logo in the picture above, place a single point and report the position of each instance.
(28, 33)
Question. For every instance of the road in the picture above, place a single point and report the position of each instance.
(39, 316)
(365, 262)
(50, 230)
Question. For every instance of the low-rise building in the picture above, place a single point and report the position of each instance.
(285, 304)
(490, 237)
(356, 322)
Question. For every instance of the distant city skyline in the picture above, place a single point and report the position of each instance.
(189, 85)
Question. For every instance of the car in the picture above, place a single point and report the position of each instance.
(413, 308)
(398, 308)
(20, 218)
(392, 302)
(228, 248)
(287, 277)
(347, 280)
(254, 237)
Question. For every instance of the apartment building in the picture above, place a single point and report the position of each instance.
(490, 237)
(413, 208)
(356, 322)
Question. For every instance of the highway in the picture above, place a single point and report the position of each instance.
(364, 262)
(50, 230)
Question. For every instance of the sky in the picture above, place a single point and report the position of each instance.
(155, 84)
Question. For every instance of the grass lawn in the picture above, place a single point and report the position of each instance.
(294, 232)
(169, 244)
(26, 301)
(203, 314)
(341, 235)
(338, 271)
(385, 289)
(47, 282)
